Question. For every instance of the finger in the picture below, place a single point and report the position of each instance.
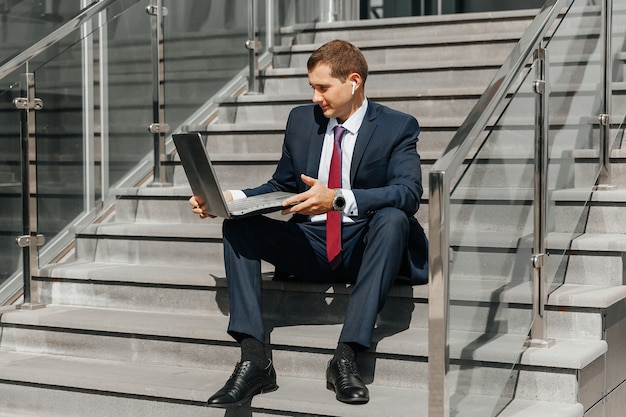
(308, 180)
(295, 199)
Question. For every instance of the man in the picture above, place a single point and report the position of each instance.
(353, 221)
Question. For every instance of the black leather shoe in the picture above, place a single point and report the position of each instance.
(342, 376)
(246, 381)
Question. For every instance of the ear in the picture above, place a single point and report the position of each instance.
(355, 80)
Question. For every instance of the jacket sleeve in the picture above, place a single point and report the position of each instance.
(286, 177)
(390, 174)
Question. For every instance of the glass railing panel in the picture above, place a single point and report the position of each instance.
(59, 137)
(575, 75)
(23, 22)
(618, 58)
(69, 141)
(10, 183)
(127, 91)
(493, 206)
(205, 48)
(491, 224)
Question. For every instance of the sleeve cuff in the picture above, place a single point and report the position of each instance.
(351, 208)
(238, 194)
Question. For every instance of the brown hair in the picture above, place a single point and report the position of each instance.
(342, 57)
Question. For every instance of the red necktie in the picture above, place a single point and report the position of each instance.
(333, 218)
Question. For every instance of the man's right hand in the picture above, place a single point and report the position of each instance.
(201, 210)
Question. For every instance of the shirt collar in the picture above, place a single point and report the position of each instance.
(353, 124)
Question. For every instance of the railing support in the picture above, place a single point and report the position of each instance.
(438, 297)
(539, 258)
(253, 44)
(159, 128)
(604, 177)
(30, 240)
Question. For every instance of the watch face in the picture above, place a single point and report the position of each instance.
(340, 202)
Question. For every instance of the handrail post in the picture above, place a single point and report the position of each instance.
(270, 22)
(30, 239)
(159, 128)
(254, 46)
(539, 257)
(604, 177)
(438, 294)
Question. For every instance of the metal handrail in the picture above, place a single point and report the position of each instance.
(21, 58)
(604, 177)
(440, 179)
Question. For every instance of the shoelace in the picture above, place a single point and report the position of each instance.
(240, 369)
(349, 366)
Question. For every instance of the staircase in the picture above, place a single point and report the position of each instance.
(136, 312)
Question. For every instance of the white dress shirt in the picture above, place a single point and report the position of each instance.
(352, 126)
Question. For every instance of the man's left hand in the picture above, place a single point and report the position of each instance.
(316, 200)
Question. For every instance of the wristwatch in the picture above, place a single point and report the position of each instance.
(339, 202)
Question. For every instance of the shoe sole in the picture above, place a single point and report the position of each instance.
(264, 390)
(354, 401)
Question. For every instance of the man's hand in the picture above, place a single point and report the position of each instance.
(201, 210)
(316, 200)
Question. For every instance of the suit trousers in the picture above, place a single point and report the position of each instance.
(373, 251)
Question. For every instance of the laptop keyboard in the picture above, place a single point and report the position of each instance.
(273, 199)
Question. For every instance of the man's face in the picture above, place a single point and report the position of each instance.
(331, 94)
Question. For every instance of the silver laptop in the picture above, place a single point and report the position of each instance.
(205, 186)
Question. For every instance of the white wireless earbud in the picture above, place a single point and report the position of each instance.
(353, 86)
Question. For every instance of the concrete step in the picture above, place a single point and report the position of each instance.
(396, 77)
(444, 48)
(605, 208)
(298, 351)
(66, 386)
(200, 288)
(467, 24)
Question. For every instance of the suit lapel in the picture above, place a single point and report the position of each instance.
(316, 142)
(363, 139)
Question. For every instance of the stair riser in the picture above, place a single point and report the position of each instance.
(599, 269)
(393, 55)
(179, 211)
(254, 142)
(602, 219)
(380, 370)
(266, 112)
(260, 142)
(157, 211)
(282, 307)
(586, 171)
(52, 401)
(236, 176)
(179, 92)
(149, 252)
(418, 31)
(289, 363)
(390, 81)
(29, 399)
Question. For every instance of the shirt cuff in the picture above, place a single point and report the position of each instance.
(237, 194)
(351, 208)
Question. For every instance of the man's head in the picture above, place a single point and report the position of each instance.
(337, 73)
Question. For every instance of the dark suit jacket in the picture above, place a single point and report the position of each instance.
(385, 169)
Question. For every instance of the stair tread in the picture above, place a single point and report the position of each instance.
(212, 275)
(183, 231)
(407, 42)
(195, 385)
(496, 348)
